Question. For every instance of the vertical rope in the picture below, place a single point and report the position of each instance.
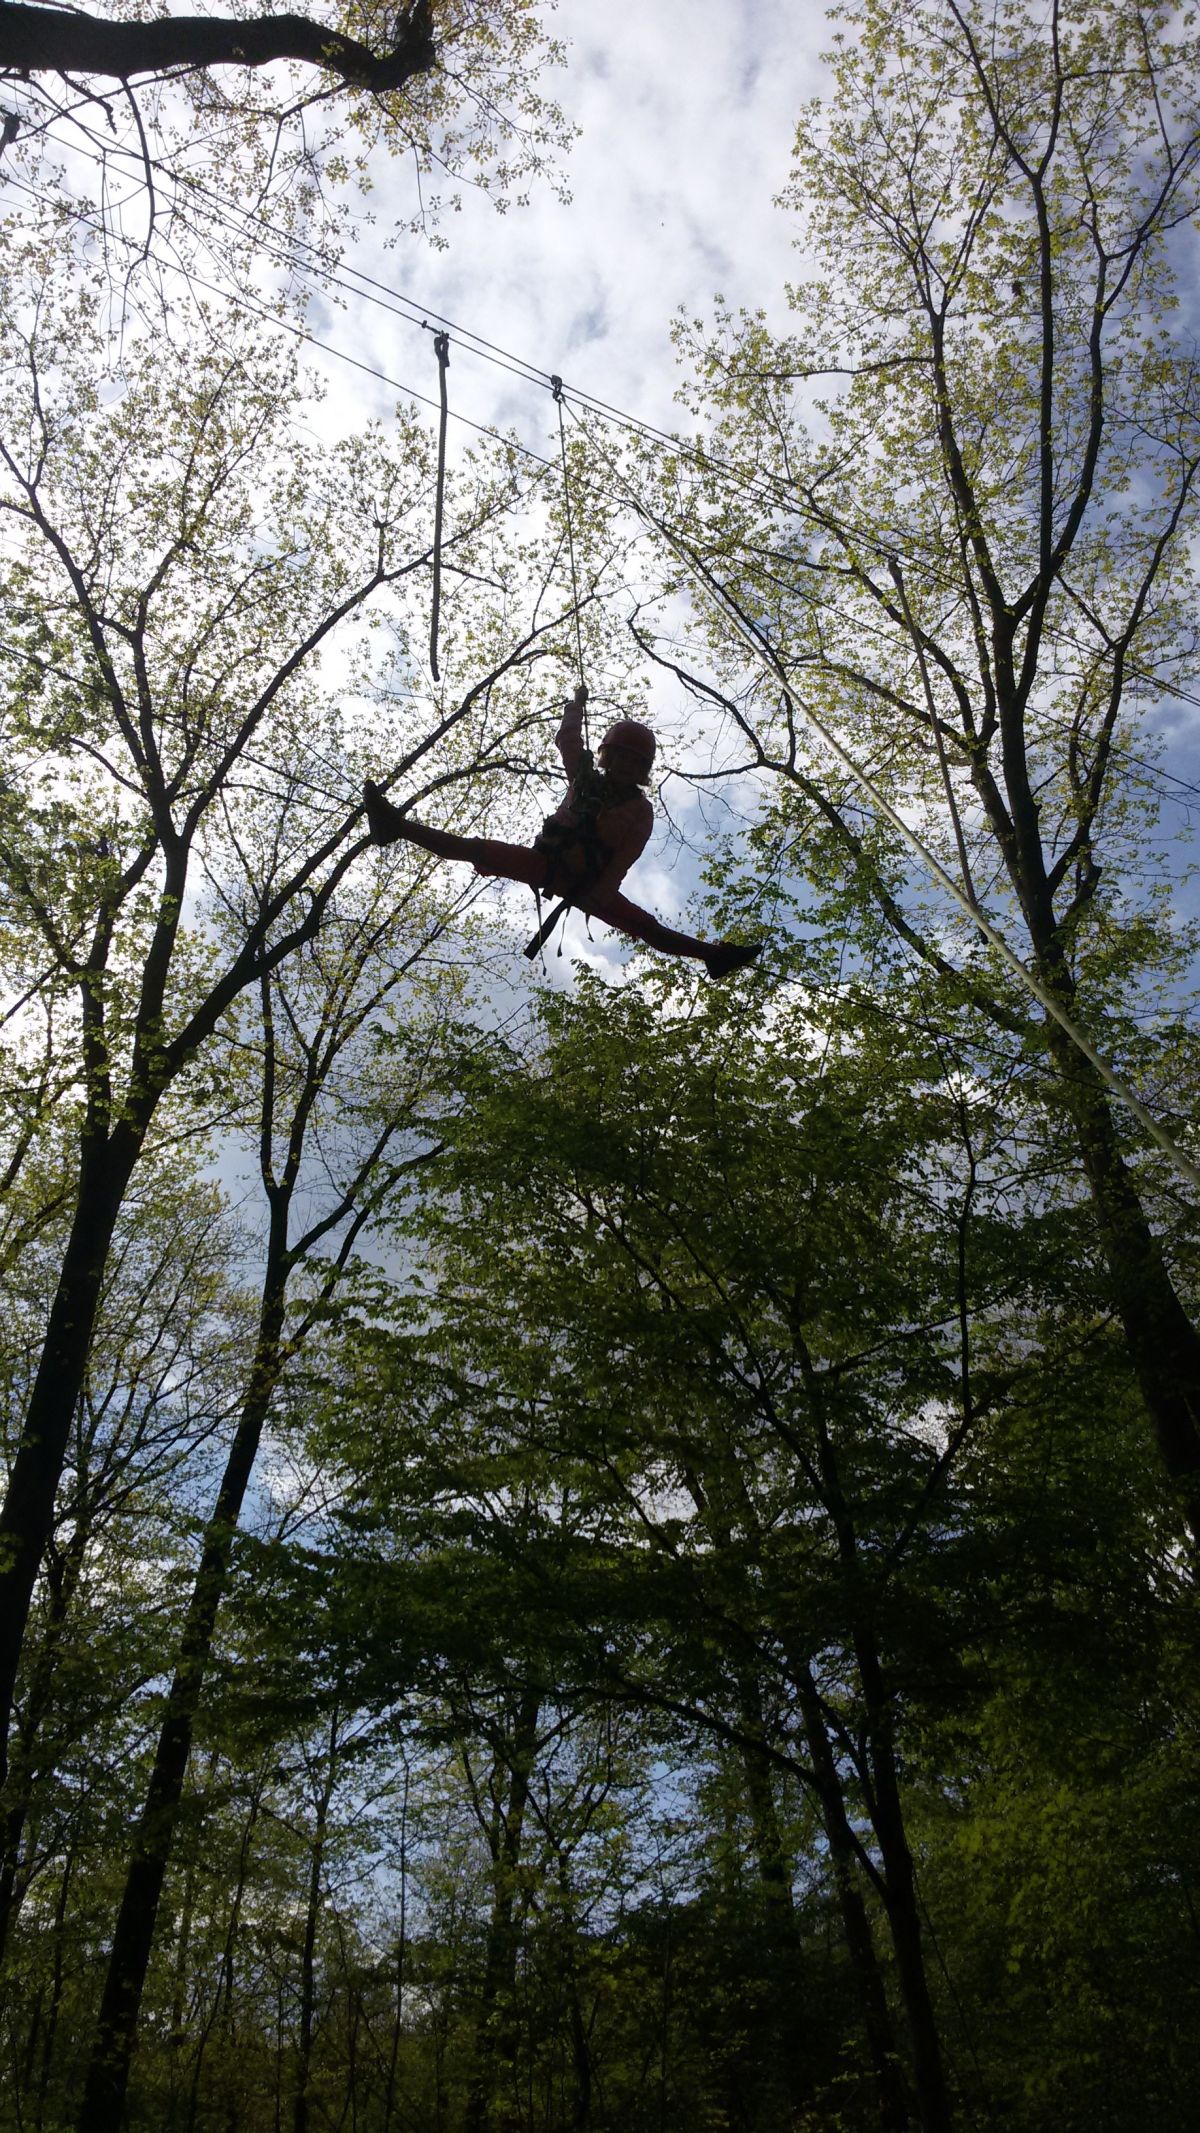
(441, 348)
(556, 387)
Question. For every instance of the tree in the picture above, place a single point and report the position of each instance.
(834, 1439)
(320, 1083)
(159, 1382)
(210, 123)
(47, 40)
(718, 1292)
(165, 650)
(966, 543)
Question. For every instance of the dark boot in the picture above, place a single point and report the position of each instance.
(725, 957)
(386, 823)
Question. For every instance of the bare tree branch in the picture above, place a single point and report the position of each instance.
(48, 40)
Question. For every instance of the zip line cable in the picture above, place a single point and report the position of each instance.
(388, 298)
(607, 412)
(263, 312)
(631, 423)
(378, 294)
(285, 250)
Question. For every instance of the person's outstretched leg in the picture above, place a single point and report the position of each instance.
(520, 862)
(488, 855)
(720, 958)
(388, 826)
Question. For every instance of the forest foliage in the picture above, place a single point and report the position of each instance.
(628, 1560)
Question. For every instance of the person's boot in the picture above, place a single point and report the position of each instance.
(383, 820)
(725, 957)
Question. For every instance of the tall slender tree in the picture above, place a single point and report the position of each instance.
(163, 644)
(951, 514)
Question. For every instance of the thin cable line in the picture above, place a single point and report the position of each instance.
(304, 336)
(286, 251)
(289, 246)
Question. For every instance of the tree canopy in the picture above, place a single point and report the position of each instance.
(601, 1550)
(189, 141)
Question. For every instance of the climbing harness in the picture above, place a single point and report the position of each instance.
(441, 348)
(537, 941)
(557, 840)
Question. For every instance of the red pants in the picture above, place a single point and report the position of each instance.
(520, 862)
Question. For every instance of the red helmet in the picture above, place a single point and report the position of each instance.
(630, 734)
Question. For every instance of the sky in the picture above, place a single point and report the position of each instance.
(686, 111)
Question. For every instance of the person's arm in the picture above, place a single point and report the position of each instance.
(569, 738)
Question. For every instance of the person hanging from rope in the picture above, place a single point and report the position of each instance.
(586, 847)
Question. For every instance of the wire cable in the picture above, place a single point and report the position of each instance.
(287, 248)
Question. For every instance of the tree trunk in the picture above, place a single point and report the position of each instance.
(782, 1953)
(494, 2040)
(300, 2111)
(882, 1786)
(27, 1517)
(1163, 1343)
(774, 1870)
(1164, 1346)
(890, 2090)
(179, 1996)
(56, 1989)
(900, 1894)
(389, 2102)
(108, 2072)
(581, 2050)
(43, 39)
(21, 1780)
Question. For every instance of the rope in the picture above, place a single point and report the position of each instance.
(546, 926)
(556, 387)
(441, 348)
